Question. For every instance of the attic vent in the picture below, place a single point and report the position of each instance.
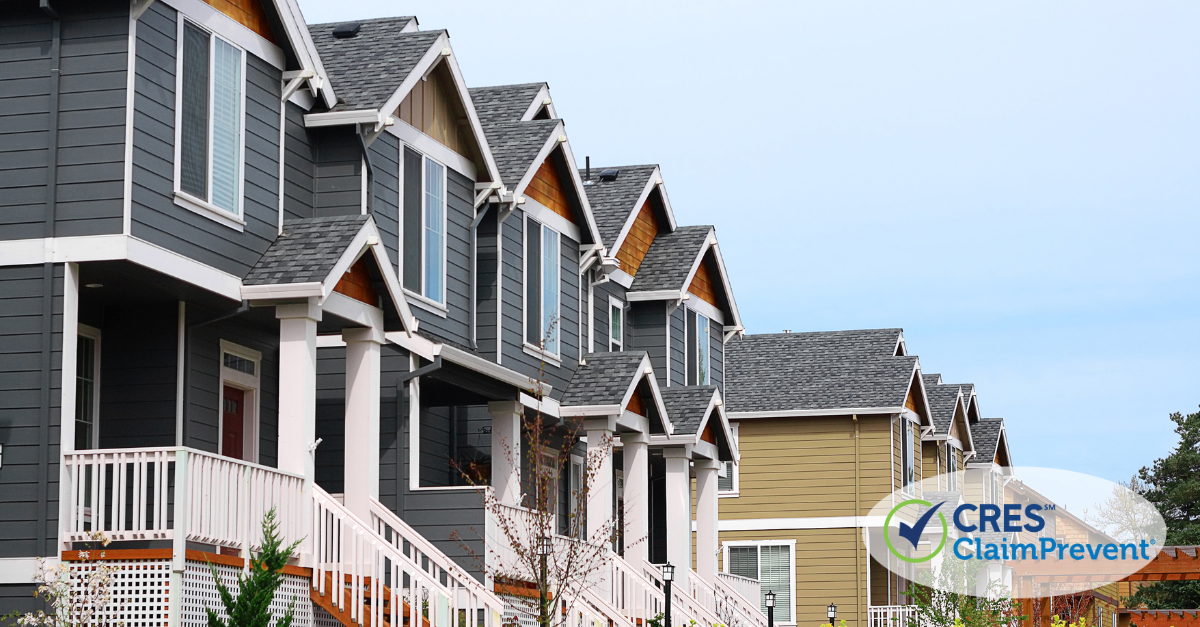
(609, 174)
(346, 31)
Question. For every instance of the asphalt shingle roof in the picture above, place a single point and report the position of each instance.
(810, 371)
(669, 260)
(503, 103)
(603, 379)
(613, 201)
(365, 70)
(942, 401)
(306, 251)
(515, 145)
(986, 434)
(686, 406)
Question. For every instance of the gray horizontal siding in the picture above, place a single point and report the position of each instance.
(678, 344)
(647, 332)
(716, 355)
(156, 217)
(138, 361)
(460, 211)
(512, 319)
(299, 168)
(31, 307)
(601, 294)
(337, 172)
(385, 198)
(87, 130)
(486, 284)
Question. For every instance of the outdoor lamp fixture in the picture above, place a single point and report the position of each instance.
(832, 612)
(770, 608)
(544, 546)
(668, 574)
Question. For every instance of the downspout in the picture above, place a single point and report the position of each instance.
(370, 183)
(187, 340)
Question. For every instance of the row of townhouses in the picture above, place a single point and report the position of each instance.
(248, 262)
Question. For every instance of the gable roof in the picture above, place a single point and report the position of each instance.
(669, 261)
(311, 256)
(516, 145)
(366, 69)
(987, 433)
(943, 401)
(615, 202)
(795, 374)
(504, 103)
(604, 383)
(692, 408)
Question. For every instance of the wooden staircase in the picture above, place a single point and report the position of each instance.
(344, 615)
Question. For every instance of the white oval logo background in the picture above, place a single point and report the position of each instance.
(1019, 532)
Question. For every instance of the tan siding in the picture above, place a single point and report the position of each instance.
(929, 459)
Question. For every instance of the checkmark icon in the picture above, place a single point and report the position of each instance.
(913, 533)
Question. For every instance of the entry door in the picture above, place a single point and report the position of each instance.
(233, 422)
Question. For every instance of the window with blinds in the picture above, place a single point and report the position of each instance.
(771, 565)
(423, 222)
(541, 286)
(210, 119)
(725, 484)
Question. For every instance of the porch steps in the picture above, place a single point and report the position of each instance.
(343, 616)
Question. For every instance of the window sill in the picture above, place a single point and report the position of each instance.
(209, 210)
(729, 495)
(427, 304)
(534, 351)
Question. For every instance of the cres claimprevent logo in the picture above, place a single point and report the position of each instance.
(924, 511)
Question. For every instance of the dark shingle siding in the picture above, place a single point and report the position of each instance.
(812, 371)
(503, 103)
(613, 201)
(669, 260)
(603, 379)
(307, 250)
(367, 69)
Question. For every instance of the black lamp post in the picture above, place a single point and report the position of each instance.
(770, 608)
(668, 574)
(544, 547)
(831, 612)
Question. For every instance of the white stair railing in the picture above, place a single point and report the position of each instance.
(738, 598)
(892, 616)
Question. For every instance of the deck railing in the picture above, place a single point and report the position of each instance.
(891, 616)
(738, 601)
(749, 589)
(144, 494)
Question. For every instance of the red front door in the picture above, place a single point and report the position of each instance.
(233, 421)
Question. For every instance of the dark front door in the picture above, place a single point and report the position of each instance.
(233, 421)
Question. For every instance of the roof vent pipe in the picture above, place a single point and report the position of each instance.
(587, 170)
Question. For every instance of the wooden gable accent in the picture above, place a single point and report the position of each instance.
(637, 242)
(356, 284)
(637, 404)
(704, 283)
(547, 188)
(248, 13)
(910, 403)
(434, 108)
(710, 431)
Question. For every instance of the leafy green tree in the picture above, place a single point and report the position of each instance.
(941, 606)
(252, 606)
(1172, 484)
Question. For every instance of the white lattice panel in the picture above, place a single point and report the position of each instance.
(200, 591)
(139, 591)
(321, 618)
(519, 611)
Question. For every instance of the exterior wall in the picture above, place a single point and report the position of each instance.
(513, 284)
(600, 295)
(678, 322)
(337, 172)
(716, 353)
(932, 454)
(455, 326)
(486, 285)
(155, 216)
(647, 322)
(81, 147)
(31, 308)
(385, 192)
(299, 175)
(138, 363)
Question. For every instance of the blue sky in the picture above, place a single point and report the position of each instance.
(1016, 184)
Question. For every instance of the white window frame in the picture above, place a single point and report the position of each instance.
(615, 303)
(907, 485)
(183, 199)
(790, 543)
(951, 467)
(252, 387)
(93, 334)
(553, 357)
(707, 368)
(732, 468)
(420, 299)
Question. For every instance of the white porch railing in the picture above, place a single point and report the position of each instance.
(749, 589)
(152, 493)
(891, 616)
(735, 607)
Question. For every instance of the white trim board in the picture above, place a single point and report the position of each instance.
(786, 524)
(208, 17)
(20, 570)
(802, 413)
(430, 147)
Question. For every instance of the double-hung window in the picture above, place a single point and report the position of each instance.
(697, 349)
(542, 261)
(210, 118)
(771, 564)
(906, 456)
(951, 468)
(424, 237)
(616, 325)
(87, 388)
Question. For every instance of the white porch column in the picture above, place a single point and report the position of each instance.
(362, 419)
(506, 450)
(679, 510)
(298, 401)
(706, 519)
(637, 492)
(600, 492)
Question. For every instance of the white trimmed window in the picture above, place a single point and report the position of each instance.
(907, 456)
(423, 227)
(698, 349)
(542, 270)
(87, 388)
(616, 325)
(951, 468)
(238, 426)
(728, 485)
(772, 563)
(210, 124)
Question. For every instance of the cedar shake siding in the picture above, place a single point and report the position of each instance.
(30, 401)
(156, 218)
(62, 140)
